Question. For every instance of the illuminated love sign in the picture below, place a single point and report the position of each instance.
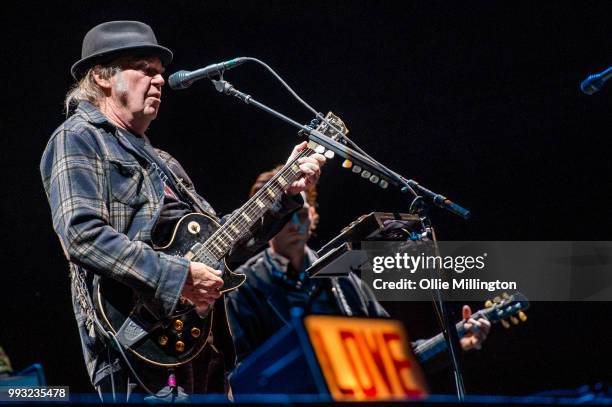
(365, 359)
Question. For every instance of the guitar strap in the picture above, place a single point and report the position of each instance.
(135, 328)
(168, 176)
(195, 202)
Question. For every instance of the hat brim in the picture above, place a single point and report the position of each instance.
(80, 67)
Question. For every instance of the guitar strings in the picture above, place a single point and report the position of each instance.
(249, 208)
(217, 244)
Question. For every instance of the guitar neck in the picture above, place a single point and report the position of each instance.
(240, 223)
(433, 346)
(507, 308)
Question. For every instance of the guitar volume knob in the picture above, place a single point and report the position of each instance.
(193, 227)
(195, 332)
(163, 340)
(178, 325)
(179, 346)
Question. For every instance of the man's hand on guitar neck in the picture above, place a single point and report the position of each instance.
(477, 330)
(310, 168)
(202, 285)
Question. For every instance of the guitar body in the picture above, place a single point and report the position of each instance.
(190, 231)
(180, 337)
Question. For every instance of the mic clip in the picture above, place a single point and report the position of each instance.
(221, 85)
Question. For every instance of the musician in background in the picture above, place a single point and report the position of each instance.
(113, 196)
(276, 282)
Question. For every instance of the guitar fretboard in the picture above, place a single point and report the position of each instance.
(239, 224)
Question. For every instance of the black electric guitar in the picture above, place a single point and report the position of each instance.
(501, 309)
(180, 337)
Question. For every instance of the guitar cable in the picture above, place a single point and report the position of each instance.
(320, 116)
(109, 335)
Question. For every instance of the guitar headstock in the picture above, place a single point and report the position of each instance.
(332, 127)
(506, 308)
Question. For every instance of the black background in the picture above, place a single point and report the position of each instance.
(477, 100)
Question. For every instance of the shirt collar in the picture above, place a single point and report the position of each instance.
(92, 114)
(278, 260)
(278, 265)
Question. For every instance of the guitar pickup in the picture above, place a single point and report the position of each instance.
(193, 250)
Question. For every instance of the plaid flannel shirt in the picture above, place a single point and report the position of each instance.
(105, 200)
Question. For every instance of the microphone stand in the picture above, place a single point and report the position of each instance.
(418, 205)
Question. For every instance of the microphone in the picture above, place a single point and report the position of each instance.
(594, 83)
(184, 79)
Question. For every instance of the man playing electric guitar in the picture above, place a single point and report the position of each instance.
(113, 196)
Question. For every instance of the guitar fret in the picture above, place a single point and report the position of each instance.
(220, 242)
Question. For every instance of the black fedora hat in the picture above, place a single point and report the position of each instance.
(107, 41)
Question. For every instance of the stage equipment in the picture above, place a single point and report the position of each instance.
(385, 176)
(351, 359)
(342, 254)
(337, 358)
(31, 376)
(184, 79)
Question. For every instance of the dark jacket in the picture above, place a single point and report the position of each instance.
(260, 307)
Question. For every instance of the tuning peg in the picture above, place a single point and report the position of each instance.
(347, 164)
(505, 323)
(383, 184)
(329, 154)
(488, 303)
(374, 179)
(320, 149)
(522, 316)
(356, 169)
(366, 174)
(497, 300)
(514, 320)
(505, 296)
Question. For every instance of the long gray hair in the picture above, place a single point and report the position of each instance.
(87, 89)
